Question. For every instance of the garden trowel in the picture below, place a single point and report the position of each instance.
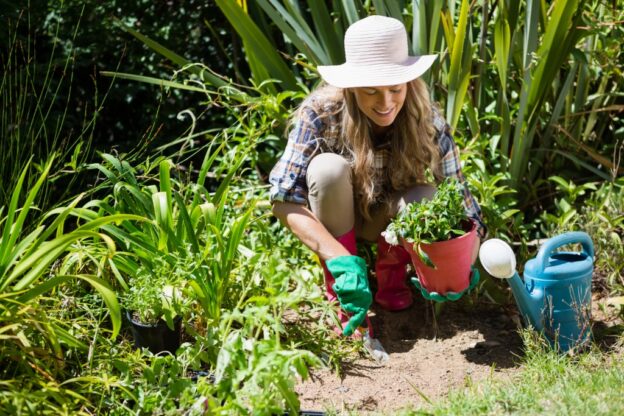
(373, 345)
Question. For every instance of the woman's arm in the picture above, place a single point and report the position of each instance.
(302, 222)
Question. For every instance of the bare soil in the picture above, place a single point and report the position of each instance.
(430, 356)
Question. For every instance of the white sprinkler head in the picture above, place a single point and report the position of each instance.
(497, 258)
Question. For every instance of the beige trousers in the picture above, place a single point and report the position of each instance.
(330, 195)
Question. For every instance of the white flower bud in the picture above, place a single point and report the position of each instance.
(391, 237)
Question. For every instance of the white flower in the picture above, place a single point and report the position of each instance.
(169, 296)
(248, 344)
(391, 236)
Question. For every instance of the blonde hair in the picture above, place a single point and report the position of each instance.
(413, 148)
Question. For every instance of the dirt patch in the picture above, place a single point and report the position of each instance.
(428, 357)
(608, 321)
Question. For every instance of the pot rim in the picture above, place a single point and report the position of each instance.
(176, 319)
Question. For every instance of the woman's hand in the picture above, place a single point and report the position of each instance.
(352, 289)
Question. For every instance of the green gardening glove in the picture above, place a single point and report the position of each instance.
(351, 287)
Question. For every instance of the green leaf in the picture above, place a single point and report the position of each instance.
(389, 8)
(11, 230)
(550, 51)
(424, 257)
(350, 11)
(154, 81)
(502, 42)
(560, 181)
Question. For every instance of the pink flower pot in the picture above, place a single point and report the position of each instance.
(452, 258)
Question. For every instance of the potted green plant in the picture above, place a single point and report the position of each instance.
(154, 304)
(440, 239)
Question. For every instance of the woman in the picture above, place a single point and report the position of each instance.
(359, 151)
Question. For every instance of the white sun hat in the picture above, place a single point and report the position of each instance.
(376, 52)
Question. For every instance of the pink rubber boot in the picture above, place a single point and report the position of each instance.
(348, 241)
(393, 293)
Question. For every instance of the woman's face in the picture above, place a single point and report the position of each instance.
(381, 104)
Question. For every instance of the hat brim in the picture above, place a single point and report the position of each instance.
(351, 76)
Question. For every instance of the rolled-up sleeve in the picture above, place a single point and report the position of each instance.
(450, 165)
(288, 176)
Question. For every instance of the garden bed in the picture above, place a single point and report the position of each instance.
(472, 344)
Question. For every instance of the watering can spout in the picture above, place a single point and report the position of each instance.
(499, 260)
(529, 301)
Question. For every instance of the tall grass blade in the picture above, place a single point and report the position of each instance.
(561, 33)
(350, 10)
(258, 45)
(329, 34)
(459, 72)
(12, 231)
(502, 45)
(293, 10)
(152, 80)
(531, 31)
(391, 8)
(428, 34)
(185, 221)
(420, 35)
(294, 26)
(34, 266)
(550, 51)
(172, 56)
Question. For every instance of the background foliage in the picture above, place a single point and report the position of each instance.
(136, 130)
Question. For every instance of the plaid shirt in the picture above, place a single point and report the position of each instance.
(314, 134)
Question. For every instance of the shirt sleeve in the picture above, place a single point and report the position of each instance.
(288, 176)
(451, 167)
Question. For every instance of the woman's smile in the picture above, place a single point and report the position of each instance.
(381, 104)
(383, 112)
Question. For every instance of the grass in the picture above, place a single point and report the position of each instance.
(37, 115)
(548, 383)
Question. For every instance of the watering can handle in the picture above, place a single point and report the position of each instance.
(561, 240)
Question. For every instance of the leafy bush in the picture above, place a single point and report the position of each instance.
(600, 215)
(248, 285)
(32, 264)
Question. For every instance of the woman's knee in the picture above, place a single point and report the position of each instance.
(330, 193)
(327, 172)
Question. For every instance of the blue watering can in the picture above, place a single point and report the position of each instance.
(555, 296)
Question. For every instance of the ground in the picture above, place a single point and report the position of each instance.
(471, 343)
